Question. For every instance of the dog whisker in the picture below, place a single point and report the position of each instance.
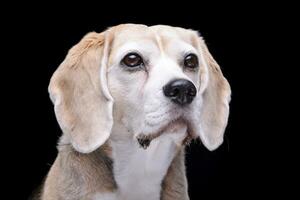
(157, 115)
(155, 107)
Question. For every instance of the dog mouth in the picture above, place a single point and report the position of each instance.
(174, 125)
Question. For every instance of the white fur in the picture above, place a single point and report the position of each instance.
(139, 172)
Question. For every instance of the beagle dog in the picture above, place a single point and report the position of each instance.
(128, 100)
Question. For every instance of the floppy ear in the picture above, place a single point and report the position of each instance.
(78, 89)
(215, 101)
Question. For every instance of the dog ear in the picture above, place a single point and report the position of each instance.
(215, 91)
(79, 91)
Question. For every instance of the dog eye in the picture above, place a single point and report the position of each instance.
(132, 60)
(191, 61)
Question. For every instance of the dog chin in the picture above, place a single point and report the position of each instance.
(173, 127)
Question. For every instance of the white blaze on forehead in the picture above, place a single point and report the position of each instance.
(172, 45)
(165, 70)
(167, 66)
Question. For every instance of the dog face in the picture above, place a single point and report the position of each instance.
(147, 79)
(143, 65)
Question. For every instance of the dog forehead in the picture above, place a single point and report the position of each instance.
(160, 35)
(130, 33)
(170, 32)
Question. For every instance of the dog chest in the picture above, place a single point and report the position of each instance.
(139, 172)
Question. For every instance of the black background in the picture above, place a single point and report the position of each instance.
(249, 163)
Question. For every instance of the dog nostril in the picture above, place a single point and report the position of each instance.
(174, 92)
(192, 91)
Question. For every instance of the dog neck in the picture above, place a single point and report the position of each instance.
(139, 172)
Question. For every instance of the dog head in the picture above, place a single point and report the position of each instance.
(146, 79)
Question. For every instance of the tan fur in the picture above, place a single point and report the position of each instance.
(78, 176)
(174, 186)
(84, 112)
(216, 98)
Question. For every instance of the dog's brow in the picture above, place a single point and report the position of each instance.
(159, 42)
(136, 46)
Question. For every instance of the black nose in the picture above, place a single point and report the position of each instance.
(180, 91)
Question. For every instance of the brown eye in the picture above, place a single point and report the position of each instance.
(191, 61)
(132, 60)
